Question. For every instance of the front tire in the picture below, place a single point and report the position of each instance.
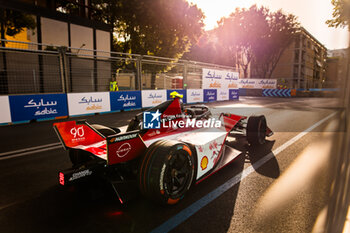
(256, 130)
(166, 171)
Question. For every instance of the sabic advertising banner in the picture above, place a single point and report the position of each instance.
(247, 83)
(152, 98)
(267, 83)
(210, 95)
(30, 107)
(180, 91)
(194, 96)
(216, 79)
(86, 103)
(258, 83)
(5, 115)
(125, 100)
(234, 94)
(222, 94)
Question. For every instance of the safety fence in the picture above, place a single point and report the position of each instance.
(24, 108)
(32, 68)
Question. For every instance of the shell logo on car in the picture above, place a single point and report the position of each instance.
(204, 162)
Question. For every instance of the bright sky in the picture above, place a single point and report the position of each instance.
(312, 15)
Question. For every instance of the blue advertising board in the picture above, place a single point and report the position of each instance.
(233, 94)
(180, 91)
(45, 106)
(125, 100)
(210, 95)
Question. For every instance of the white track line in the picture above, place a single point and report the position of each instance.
(186, 213)
(28, 151)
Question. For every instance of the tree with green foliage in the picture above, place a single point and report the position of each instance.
(13, 22)
(341, 14)
(165, 28)
(208, 49)
(256, 38)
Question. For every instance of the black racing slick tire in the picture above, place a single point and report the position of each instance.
(256, 130)
(166, 171)
(79, 157)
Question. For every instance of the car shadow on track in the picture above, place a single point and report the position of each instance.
(215, 217)
(270, 168)
(254, 153)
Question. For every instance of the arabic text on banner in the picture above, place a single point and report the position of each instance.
(91, 102)
(216, 79)
(125, 100)
(152, 98)
(194, 95)
(30, 107)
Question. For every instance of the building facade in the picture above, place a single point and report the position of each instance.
(337, 61)
(303, 63)
(56, 25)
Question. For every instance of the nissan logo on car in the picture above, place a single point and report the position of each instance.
(123, 150)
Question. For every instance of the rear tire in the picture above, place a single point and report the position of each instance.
(166, 171)
(256, 130)
(79, 157)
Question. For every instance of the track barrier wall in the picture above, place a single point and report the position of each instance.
(26, 108)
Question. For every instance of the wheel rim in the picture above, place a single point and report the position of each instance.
(178, 174)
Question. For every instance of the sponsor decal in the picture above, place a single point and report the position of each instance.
(204, 162)
(124, 137)
(28, 107)
(246, 83)
(194, 95)
(210, 95)
(233, 94)
(86, 103)
(80, 174)
(78, 134)
(123, 150)
(153, 97)
(213, 79)
(122, 100)
(127, 101)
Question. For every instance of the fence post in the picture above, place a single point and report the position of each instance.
(63, 68)
(138, 80)
(184, 80)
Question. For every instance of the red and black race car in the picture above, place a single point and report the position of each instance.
(163, 151)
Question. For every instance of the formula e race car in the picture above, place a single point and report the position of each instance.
(163, 151)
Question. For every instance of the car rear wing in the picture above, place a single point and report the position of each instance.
(114, 149)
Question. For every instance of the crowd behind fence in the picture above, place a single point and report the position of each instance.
(29, 68)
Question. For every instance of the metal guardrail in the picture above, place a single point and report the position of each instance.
(31, 68)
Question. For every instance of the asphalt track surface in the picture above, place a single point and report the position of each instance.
(32, 201)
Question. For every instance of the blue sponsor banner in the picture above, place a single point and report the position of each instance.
(45, 106)
(180, 91)
(125, 100)
(233, 94)
(210, 95)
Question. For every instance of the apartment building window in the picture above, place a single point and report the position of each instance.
(296, 56)
(297, 42)
(296, 70)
